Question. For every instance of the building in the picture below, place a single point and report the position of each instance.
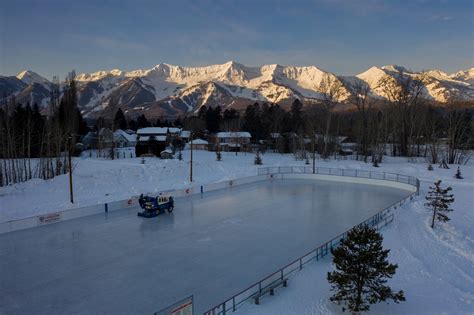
(347, 146)
(231, 141)
(90, 140)
(105, 138)
(154, 140)
(123, 139)
(198, 144)
(185, 135)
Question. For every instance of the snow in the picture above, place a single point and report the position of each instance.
(198, 141)
(234, 134)
(436, 267)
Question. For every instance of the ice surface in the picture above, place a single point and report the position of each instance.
(211, 247)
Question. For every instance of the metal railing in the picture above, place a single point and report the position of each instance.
(378, 220)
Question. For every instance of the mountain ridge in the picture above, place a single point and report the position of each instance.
(173, 89)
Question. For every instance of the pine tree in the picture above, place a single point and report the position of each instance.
(458, 174)
(218, 156)
(258, 159)
(120, 122)
(439, 200)
(361, 271)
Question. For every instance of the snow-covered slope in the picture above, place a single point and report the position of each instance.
(169, 89)
(438, 85)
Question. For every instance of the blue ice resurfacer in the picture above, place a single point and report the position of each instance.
(153, 206)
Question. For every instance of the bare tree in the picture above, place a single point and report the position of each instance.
(404, 95)
(332, 92)
(364, 104)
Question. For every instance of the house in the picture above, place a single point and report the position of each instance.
(185, 135)
(90, 140)
(198, 144)
(231, 141)
(105, 138)
(154, 140)
(347, 146)
(123, 139)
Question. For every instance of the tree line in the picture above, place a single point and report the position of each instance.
(33, 145)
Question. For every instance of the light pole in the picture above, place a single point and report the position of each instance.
(71, 192)
(191, 162)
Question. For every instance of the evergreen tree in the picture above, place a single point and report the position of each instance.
(296, 116)
(120, 122)
(458, 174)
(213, 119)
(361, 272)
(375, 163)
(258, 159)
(142, 122)
(439, 200)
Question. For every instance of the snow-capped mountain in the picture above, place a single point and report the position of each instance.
(168, 89)
(438, 85)
(30, 77)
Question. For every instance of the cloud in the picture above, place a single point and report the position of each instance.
(107, 43)
(437, 18)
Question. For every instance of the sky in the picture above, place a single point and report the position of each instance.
(345, 37)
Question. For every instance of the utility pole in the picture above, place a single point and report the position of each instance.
(191, 164)
(314, 155)
(70, 168)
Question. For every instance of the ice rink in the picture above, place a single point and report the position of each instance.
(211, 246)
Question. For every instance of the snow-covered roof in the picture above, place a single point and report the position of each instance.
(199, 141)
(128, 137)
(185, 134)
(157, 130)
(143, 138)
(237, 134)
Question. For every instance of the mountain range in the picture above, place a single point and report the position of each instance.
(170, 90)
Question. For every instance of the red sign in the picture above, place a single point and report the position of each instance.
(49, 218)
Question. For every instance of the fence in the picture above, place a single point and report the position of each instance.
(379, 220)
(69, 214)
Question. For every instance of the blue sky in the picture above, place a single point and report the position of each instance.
(342, 36)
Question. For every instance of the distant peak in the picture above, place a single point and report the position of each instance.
(30, 77)
(395, 68)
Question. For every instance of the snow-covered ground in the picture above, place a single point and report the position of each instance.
(436, 267)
